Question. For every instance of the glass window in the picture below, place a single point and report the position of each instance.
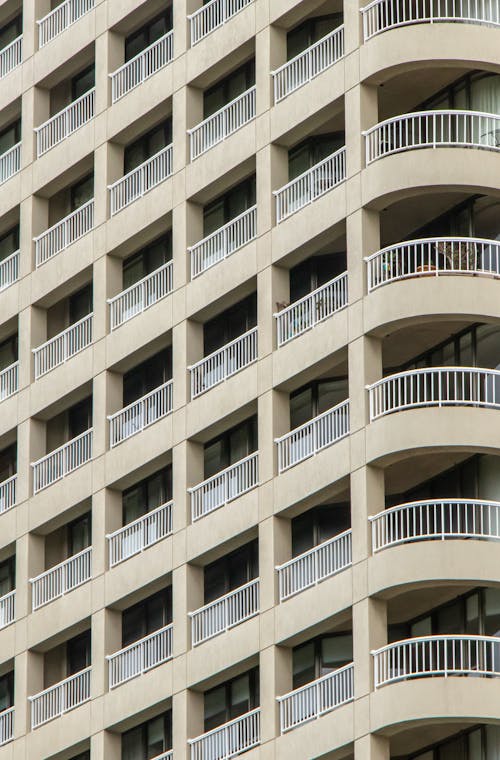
(8, 352)
(318, 525)
(78, 653)
(313, 399)
(229, 572)
(492, 743)
(136, 42)
(80, 418)
(320, 656)
(10, 136)
(311, 151)
(9, 242)
(233, 203)
(82, 192)
(148, 740)
(11, 31)
(147, 146)
(230, 324)
(147, 376)
(314, 272)
(82, 82)
(79, 534)
(230, 447)
(8, 462)
(7, 576)
(80, 304)
(147, 616)
(231, 699)
(491, 612)
(228, 89)
(147, 260)
(7, 691)
(488, 346)
(309, 32)
(146, 495)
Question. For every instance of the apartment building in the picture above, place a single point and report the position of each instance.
(249, 340)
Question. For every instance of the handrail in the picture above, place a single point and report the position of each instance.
(64, 233)
(9, 381)
(11, 56)
(60, 698)
(222, 123)
(61, 578)
(141, 180)
(229, 739)
(141, 413)
(224, 486)
(223, 363)
(212, 15)
(225, 612)
(147, 62)
(62, 461)
(140, 534)
(8, 493)
(63, 346)
(140, 656)
(7, 610)
(6, 725)
(61, 18)
(223, 242)
(9, 270)
(64, 123)
(10, 163)
(141, 295)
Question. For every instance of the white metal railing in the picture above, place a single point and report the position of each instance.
(62, 17)
(8, 494)
(60, 698)
(222, 123)
(11, 56)
(9, 270)
(139, 534)
(316, 698)
(299, 70)
(141, 656)
(225, 612)
(433, 256)
(142, 66)
(64, 233)
(311, 185)
(223, 242)
(430, 656)
(317, 564)
(432, 129)
(6, 725)
(10, 163)
(9, 381)
(223, 363)
(313, 308)
(140, 414)
(436, 519)
(213, 14)
(7, 609)
(64, 123)
(63, 346)
(434, 386)
(165, 755)
(224, 486)
(62, 461)
(141, 180)
(141, 295)
(64, 577)
(228, 740)
(381, 15)
(308, 439)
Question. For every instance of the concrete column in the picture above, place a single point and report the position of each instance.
(187, 707)
(363, 238)
(105, 745)
(369, 632)
(372, 747)
(367, 498)
(275, 674)
(365, 367)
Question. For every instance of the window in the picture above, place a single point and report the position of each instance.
(150, 739)
(232, 323)
(477, 91)
(7, 691)
(142, 38)
(147, 616)
(81, 192)
(230, 447)
(8, 352)
(309, 32)
(82, 756)
(232, 571)
(8, 462)
(313, 399)
(147, 495)
(223, 92)
(314, 272)
(147, 145)
(80, 304)
(79, 534)
(11, 31)
(82, 82)
(147, 376)
(228, 206)
(318, 525)
(311, 151)
(10, 136)
(9, 242)
(80, 418)
(231, 699)
(7, 576)
(478, 743)
(78, 653)
(320, 656)
(147, 260)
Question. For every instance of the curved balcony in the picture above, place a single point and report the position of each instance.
(434, 386)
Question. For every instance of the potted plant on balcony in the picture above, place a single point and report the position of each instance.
(459, 255)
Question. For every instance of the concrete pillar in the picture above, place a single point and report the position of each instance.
(369, 632)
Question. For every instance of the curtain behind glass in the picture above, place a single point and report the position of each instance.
(485, 95)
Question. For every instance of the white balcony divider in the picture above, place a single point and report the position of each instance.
(223, 242)
(433, 257)
(432, 129)
(62, 17)
(64, 123)
(141, 295)
(7, 609)
(60, 698)
(316, 698)
(11, 56)
(223, 363)
(142, 66)
(62, 578)
(6, 725)
(381, 15)
(222, 123)
(225, 486)
(141, 180)
(307, 440)
(10, 163)
(308, 311)
(62, 461)
(139, 534)
(62, 347)
(228, 740)
(209, 17)
(301, 69)
(430, 656)
(434, 386)
(64, 233)
(140, 414)
(226, 612)
(311, 185)
(9, 270)
(141, 656)
(8, 493)
(9, 381)
(317, 564)
(437, 519)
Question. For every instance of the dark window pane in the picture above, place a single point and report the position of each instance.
(78, 653)
(80, 418)
(80, 304)
(7, 576)
(79, 534)
(82, 192)
(9, 242)
(6, 691)
(8, 352)
(82, 83)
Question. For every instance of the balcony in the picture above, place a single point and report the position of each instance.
(60, 698)
(7, 613)
(432, 129)
(141, 180)
(225, 486)
(311, 185)
(11, 56)
(9, 381)
(8, 494)
(140, 534)
(431, 656)
(10, 163)
(213, 15)
(141, 295)
(309, 64)
(225, 613)
(381, 15)
(9, 270)
(224, 363)
(62, 347)
(140, 414)
(63, 124)
(316, 698)
(6, 726)
(142, 66)
(436, 386)
(433, 257)
(62, 461)
(61, 18)
(141, 656)
(228, 740)
(307, 312)
(314, 436)
(61, 579)
(222, 123)
(63, 234)
(223, 242)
